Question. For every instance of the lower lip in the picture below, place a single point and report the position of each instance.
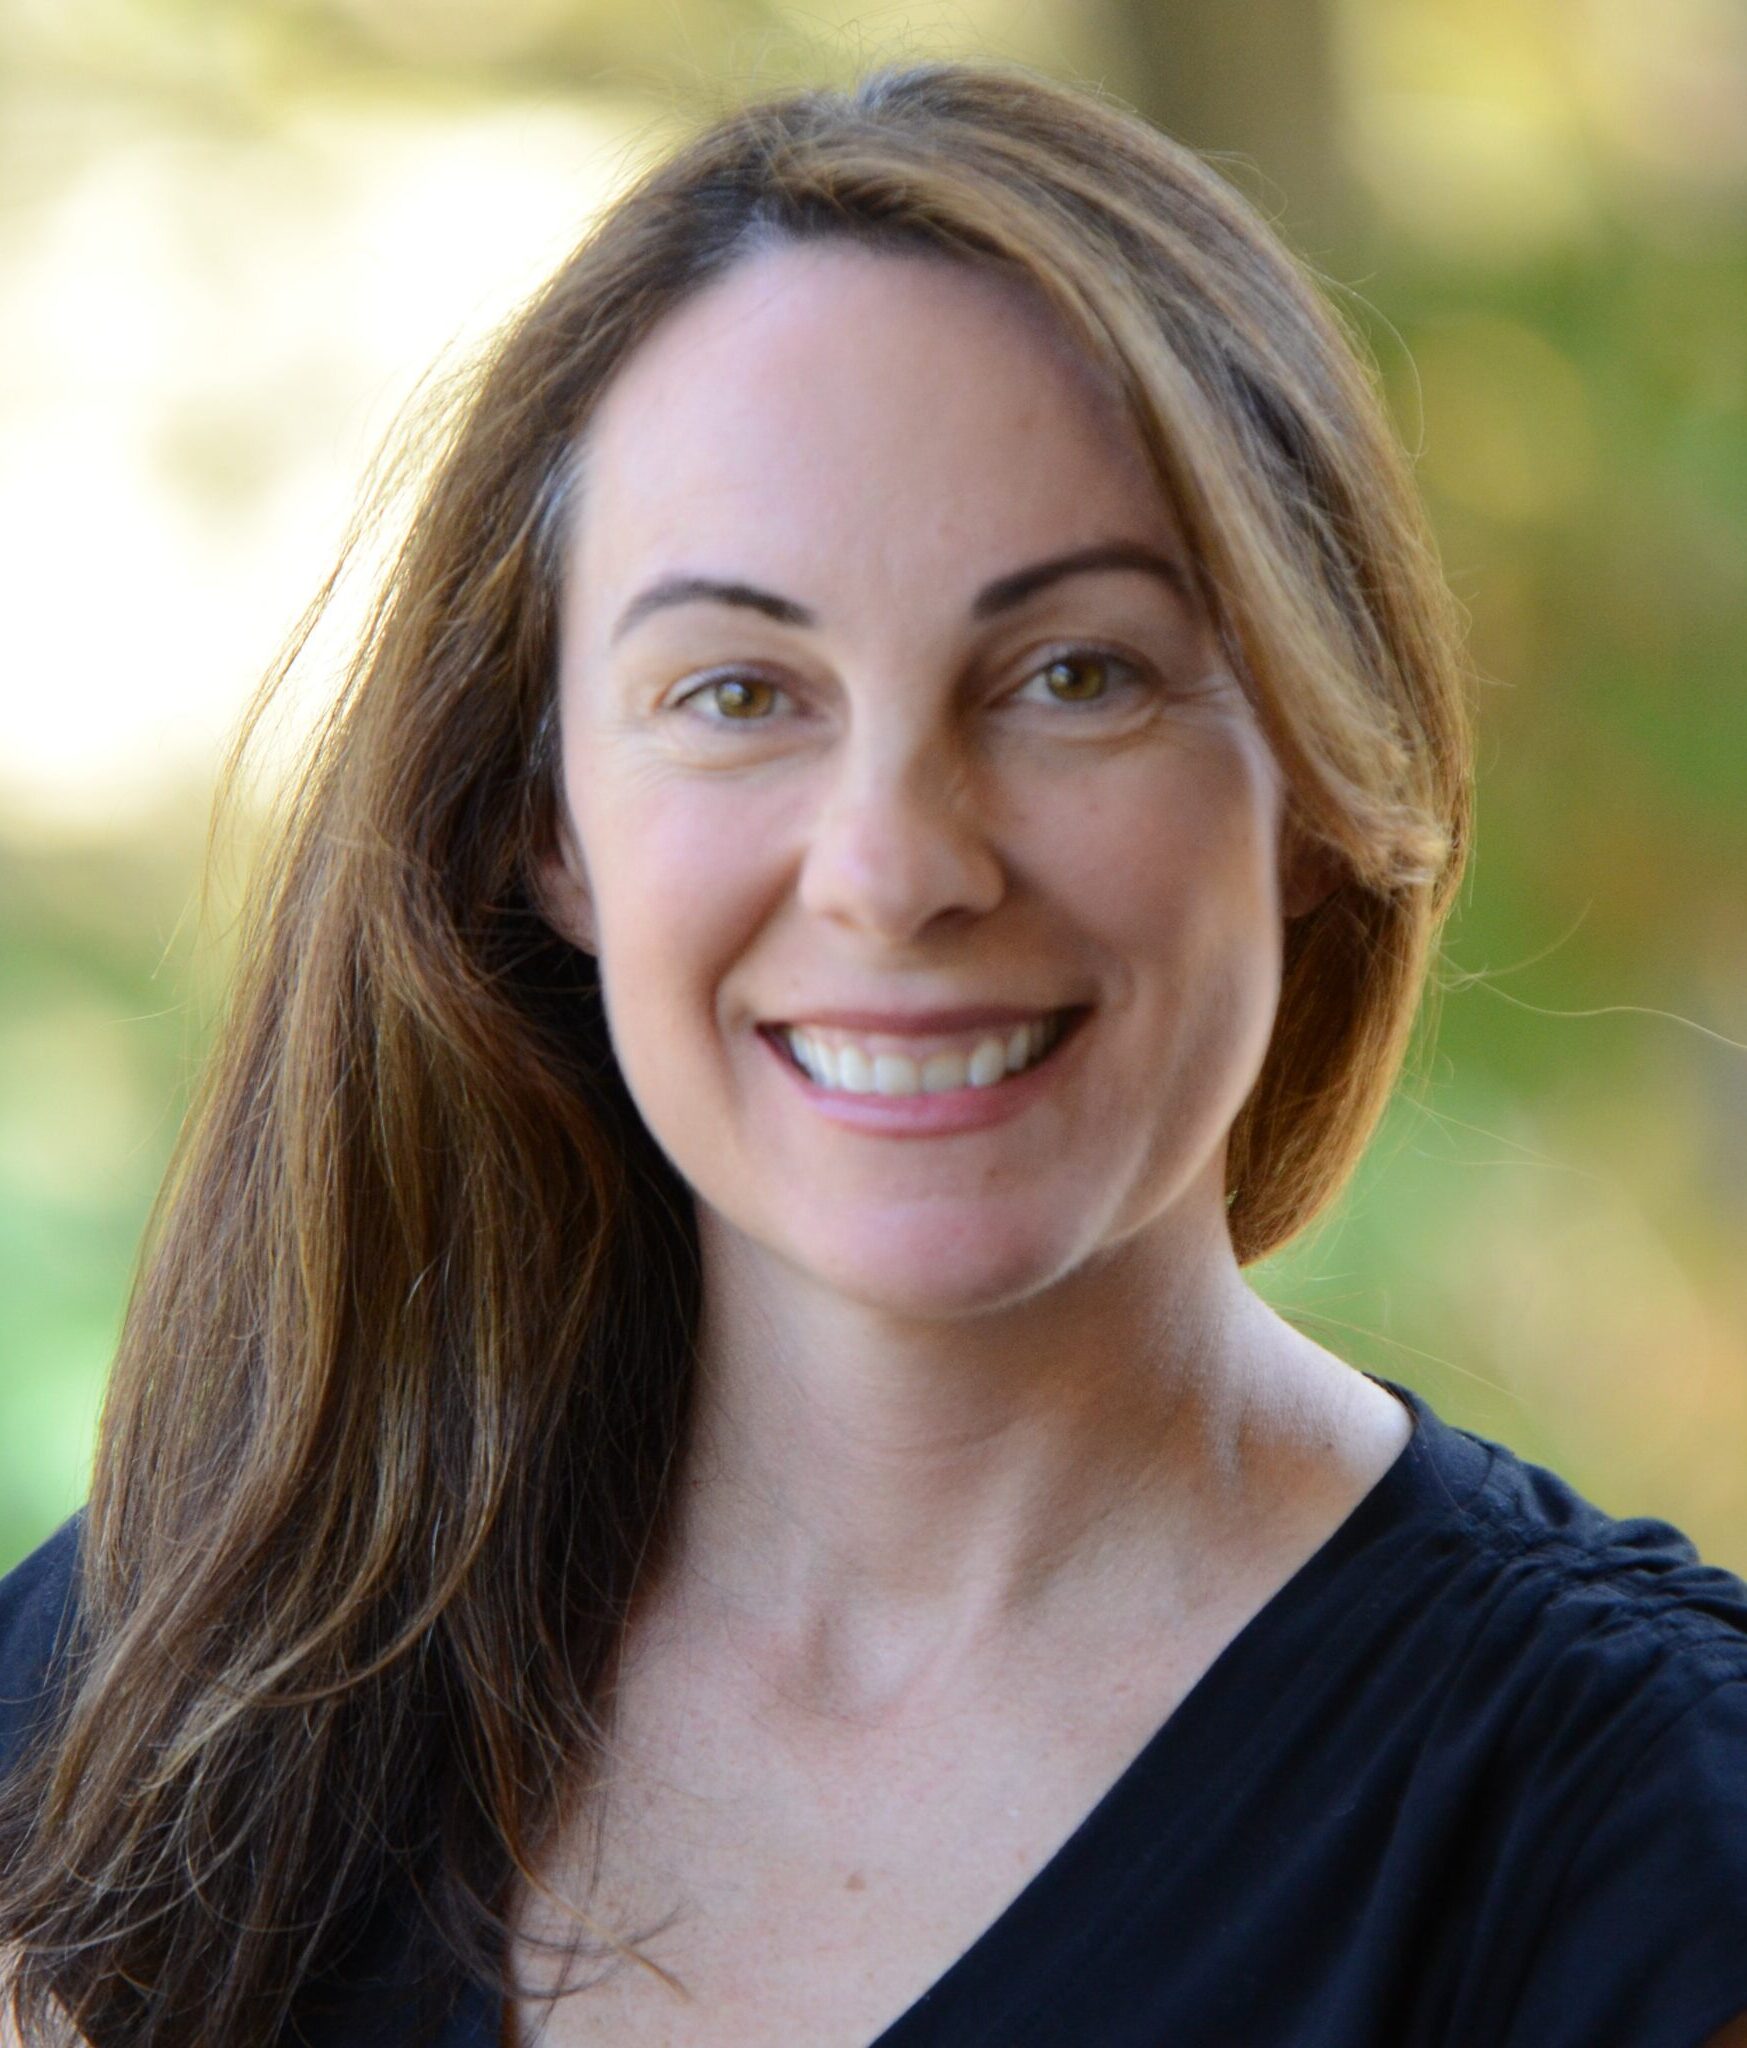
(933, 1116)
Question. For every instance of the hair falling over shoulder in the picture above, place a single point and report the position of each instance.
(406, 1370)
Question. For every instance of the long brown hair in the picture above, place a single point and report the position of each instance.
(406, 1371)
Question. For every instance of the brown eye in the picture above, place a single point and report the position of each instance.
(1088, 676)
(1076, 678)
(743, 696)
(738, 700)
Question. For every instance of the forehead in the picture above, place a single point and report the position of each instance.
(831, 414)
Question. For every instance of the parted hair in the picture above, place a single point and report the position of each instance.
(406, 1371)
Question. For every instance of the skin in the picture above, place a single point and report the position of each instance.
(908, 1345)
(974, 1409)
(983, 1413)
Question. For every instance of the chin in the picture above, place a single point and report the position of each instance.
(927, 1267)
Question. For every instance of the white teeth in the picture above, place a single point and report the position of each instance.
(895, 1074)
(989, 1063)
(945, 1070)
(857, 1072)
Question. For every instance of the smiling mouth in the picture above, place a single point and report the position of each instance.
(840, 1063)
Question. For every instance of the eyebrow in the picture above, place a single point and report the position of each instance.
(1003, 594)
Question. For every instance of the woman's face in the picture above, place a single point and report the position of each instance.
(884, 698)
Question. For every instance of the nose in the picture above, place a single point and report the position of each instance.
(900, 839)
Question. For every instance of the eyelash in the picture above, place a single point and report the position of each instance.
(1107, 656)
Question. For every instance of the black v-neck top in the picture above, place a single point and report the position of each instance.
(1475, 1777)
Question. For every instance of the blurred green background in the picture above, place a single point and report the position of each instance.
(234, 233)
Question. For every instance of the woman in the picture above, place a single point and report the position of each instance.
(692, 1460)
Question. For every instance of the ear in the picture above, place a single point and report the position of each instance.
(561, 891)
(1309, 872)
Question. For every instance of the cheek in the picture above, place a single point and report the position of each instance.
(1173, 858)
(1181, 876)
(677, 893)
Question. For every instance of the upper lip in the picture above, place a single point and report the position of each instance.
(995, 1016)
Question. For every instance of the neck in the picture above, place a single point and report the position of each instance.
(872, 1507)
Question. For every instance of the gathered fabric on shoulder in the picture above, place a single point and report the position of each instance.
(1477, 1774)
